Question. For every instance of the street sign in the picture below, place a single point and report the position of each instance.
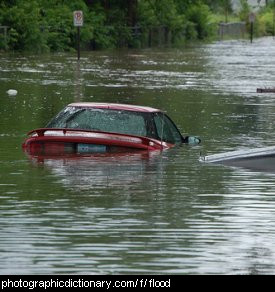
(78, 18)
(252, 17)
(78, 22)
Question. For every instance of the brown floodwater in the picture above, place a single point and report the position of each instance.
(163, 213)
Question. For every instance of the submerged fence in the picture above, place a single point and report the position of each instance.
(158, 36)
(3, 35)
(232, 29)
(154, 36)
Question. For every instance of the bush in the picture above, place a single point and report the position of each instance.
(47, 25)
(199, 25)
(24, 22)
(266, 20)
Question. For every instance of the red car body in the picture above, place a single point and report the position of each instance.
(65, 134)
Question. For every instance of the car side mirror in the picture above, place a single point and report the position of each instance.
(191, 140)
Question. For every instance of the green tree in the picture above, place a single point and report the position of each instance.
(24, 19)
(198, 17)
(47, 25)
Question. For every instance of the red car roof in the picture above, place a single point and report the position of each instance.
(115, 106)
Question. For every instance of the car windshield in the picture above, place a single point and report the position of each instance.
(106, 120)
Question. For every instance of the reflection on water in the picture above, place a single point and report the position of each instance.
(89, 171)
(166, 213)
(242, 67)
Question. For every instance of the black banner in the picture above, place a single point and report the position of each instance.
(83, 282)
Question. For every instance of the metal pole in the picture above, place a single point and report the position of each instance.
(251, 31)
(78, 43)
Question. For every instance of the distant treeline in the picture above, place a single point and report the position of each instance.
(47, 25)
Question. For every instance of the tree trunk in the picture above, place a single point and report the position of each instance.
(132, 12)
(89, 2)
(106, 5)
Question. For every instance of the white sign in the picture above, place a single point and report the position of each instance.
(252, 17)
(78, 18)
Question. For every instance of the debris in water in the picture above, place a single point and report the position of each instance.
(260, 159)
(263, 90)
(12, 92)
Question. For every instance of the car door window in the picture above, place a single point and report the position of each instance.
(166, 129)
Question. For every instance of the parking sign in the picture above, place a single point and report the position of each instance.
(252, 17)
(78, 18)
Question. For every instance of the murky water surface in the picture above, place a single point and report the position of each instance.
(160, 214)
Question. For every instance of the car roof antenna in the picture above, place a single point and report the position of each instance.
(162, 126)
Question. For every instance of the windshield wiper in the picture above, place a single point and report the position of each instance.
(73, 116)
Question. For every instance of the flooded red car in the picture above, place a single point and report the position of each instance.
(104, 128)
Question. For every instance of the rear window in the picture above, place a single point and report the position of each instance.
(115, 121)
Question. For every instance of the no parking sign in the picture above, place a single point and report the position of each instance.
(251, 17)
(78, 22)
(78, 18)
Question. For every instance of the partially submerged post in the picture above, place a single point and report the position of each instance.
(251, 18)
(4, 31)
(265, 90)
(78, 22)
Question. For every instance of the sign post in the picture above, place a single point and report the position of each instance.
(252, 17)
(78, 22)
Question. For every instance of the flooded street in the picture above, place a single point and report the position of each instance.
(157, 214)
